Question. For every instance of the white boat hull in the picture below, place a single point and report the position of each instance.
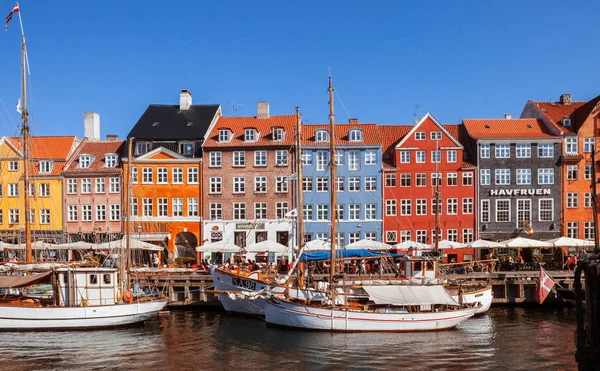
(483, 297)
(283, 313)
(55, 318)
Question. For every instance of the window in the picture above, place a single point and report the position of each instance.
(100, 213)
(421, 179)
(353, 237)
(502, 151)
(163, 206)
(306, 158)
(571, 145)
(322, 184)
(406, 207)
(86, 185)
(307, 184)
(353, 211)
(405, 235)
(216, 211)
(370, 236)
(524, 150)
(566, 121)
(545, 150)
(322, 160)
(72, 214)
(451, 156)
(405, 180)
(86, 213)
(250, 135)
(163, 175)
(13, 216)
(436, 156)
(115, 185)
(215, 159)
(421, 206)
(260, 210)
(354, 184)
(370, 158)
(484, 176)
(13, 190)
(485, 211)
(260, 184)
(546, 176)
(390, 180)
(13, 166)
(587, 200)
(370, 183)
(589, 144)
(523, 176)
(192, 204)
(436, 135)
(588, 230)
(420, 135)
(546, 209)
(322, 212)
(281, 208)
(405, 157)
(307, 212)
(281, 158)
(142, 148)
(572, 200)
(587, 172)
(467, 205)
(115, 212)
(321, 136)
(177, 175)
(239, 211)
(32, 189)
(452, 235)
(467, 179)
(572, 172)
(135, 207)
(353, 160)
(72, 186)
(436, 236)
(573, 229)
(434, 209)
(177, 207)
(390, 207)
(484, 151)
(147, 207)
(224, 135)
(281, 184)
(452, 206)
(502, 211)
(339, 184)
(523, 213)
(355, 135)
(436, 178)
(134, 175)
(502, 176)
(339, 212)
(239, 184)
(421, 157)
(85, 161)
(421, 236)
(147, 175)
(46, 167)
(110, 160)
(277, 134)
(100, 185)
(339, 157)
(186, 148)
(452, 179)
(467, 235)
(391, 237)
(215, 185)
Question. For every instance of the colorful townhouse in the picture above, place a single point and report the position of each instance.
(519, 178)
(93, 187)
(248, 191)
(358, 182)
(166, 147)
(578, 124)
(48, 155)
(418, 160)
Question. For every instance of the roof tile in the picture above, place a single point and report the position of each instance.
(507, 128)
(370, 134)
(98, 149)
(264, 127)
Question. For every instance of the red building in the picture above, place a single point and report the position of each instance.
(414, 159)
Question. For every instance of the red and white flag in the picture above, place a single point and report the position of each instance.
(9, 17)
(545, 285)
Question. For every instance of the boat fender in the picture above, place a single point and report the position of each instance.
(127, 297)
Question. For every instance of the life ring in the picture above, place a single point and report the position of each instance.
(127, 297)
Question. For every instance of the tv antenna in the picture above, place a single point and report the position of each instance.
(234, 106)
(416, 118)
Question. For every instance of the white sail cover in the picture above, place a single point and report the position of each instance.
(410, 295)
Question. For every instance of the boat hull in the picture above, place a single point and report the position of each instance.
(59, 318)
(483, 296)
(287, 314)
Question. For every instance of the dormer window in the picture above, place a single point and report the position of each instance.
(355, 135)
(250, 135)
(46, 167)
(110, 160)
(321, 136)
(85, 161)
(278, 134)
(141, 148)
(224, 135)
(566, 121)
(186, 148)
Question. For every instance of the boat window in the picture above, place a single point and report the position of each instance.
(417, 266)
(430, 266)
(107, 278)
(63, 278)
(93, 279)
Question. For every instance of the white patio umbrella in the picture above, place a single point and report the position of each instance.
(37, 245)
(317, 245)
(368, 244)
(570, 242)
(268, 245)
(415, 245)
(75, 245)
(221, 246)
(485, 244)
(446, 244)
(7, 246)
(525, 242)
(134, 244)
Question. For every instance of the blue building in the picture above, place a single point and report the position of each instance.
(359, 188)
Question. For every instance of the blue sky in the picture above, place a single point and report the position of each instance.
(474, 59)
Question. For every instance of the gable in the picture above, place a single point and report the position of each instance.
(161, 154)
(428, 124)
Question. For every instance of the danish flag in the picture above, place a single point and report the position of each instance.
(545, 285)
(9, 17)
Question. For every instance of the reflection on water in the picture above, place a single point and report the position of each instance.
(504, 339)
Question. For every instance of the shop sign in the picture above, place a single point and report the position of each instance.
(520, 192)
(250, 226)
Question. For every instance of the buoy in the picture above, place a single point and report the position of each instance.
(128, 297)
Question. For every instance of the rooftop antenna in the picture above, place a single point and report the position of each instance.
(416, 119)
(234, 106)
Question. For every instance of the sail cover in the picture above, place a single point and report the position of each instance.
(409, 295)
(7, 282)
(342, 254)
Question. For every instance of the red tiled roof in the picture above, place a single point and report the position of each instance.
(264, 126)
(459, 133)
(507, 128)
(47, 147)
(370, 134)
(390, 136)
(98, 149)
(556, 111)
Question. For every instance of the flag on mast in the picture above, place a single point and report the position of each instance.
(18, 107)
(9, 17)
(545, 285)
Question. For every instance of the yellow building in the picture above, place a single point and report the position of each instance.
(48, 155)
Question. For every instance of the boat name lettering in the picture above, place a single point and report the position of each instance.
(519, 192)
(243, 283)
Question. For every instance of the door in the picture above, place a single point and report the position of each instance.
(283, 237)
(240, 239)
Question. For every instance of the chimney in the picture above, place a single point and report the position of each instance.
(112, 137)
(91, 125)
(565, 99)
(353, 121)
(263, 110)
(507, 116)
(185, 99)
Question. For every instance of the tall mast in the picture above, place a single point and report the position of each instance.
(299, 180)
(126, 255)
(25, 139)
(437, 200)
(595, 203)
(333, 178)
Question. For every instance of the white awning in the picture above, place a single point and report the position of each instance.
(485, 244)
(369, 245)
(525, 242)
(268, 245)
(570, 242)
(134, 244)
(220, 246)
(445, 244)
(415, 245)
(409, 295)
(317, 245)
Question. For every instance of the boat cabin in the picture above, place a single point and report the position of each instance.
(87, 286)
(418, 267)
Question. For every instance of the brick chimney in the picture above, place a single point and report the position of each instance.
(507, 116)
(263, 110)
(185, 99)
(565, 99)
(91, 125)
(353, 121)
(112, 137)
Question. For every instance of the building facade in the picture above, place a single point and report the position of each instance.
(358, 182)
(248, 192)
(519, 178)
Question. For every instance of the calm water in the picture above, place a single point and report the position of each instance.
(506, 339)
